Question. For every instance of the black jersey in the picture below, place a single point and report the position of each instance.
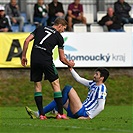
(45, 39)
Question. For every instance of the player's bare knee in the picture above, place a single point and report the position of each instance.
(55, 83)
(38, 86)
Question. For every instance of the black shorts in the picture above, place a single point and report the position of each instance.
(49, 71)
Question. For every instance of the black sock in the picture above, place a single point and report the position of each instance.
(59, 105)
(38, 100)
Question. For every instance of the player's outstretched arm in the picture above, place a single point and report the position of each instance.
(79, 79)
(64, 60)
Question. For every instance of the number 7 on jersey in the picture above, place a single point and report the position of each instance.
(45, 37)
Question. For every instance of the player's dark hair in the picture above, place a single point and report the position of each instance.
(103, 73)
(61, 21)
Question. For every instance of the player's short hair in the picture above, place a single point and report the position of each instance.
(61, 21)
(103, 73)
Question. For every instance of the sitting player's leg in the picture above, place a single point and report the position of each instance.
(75, 108)
(52, 105)
(74, 101)
(65, 93)
(35, 114)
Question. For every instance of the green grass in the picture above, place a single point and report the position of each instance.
(16, 92)
(114, 119)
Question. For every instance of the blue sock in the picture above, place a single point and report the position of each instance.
(52, 105)
(65, 92)
(49, 107)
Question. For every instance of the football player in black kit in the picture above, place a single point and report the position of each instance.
(45, 39)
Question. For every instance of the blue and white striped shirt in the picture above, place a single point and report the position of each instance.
(95, 93)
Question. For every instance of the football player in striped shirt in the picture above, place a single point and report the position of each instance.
(94, 102)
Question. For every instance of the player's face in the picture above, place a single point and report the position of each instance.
(97, 77)
(61, 28)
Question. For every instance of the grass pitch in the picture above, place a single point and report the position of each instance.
(16, 92)
(114, 119)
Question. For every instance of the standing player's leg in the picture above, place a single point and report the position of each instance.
(52, 75)
(58, 96)
(71, 101)
(35, 114)
(52, 105)
(69, 97)
(38, 99)
(36, 76)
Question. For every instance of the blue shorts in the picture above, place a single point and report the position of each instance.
(81, 112)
